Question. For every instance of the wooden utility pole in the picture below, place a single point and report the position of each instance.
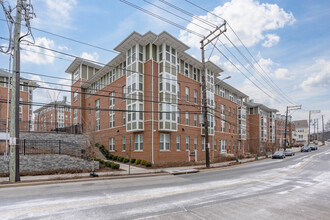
(323, 130)
(309, 128)
(204, 43)
(14, 105)
(296, 107)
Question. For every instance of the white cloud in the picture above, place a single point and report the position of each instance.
(272, 39)
(54, 13)
(38, 55)
(282, 73)
(62, 47)
(60, 9)
(248, 18)
(94, 56)
(319, 76)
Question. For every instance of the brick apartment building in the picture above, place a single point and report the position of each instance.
(260, 127)
(53, 116)
(150, 95)
(26, 95)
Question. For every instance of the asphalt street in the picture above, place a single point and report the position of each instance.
(296, 187)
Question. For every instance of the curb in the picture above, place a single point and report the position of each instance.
(48, 182)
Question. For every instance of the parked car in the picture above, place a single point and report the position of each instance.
(278, 155)
(289, 153)
(313, 147)
(305, 149)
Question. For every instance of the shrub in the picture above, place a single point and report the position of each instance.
(138, 161)
(126, 160)
(115, 157)
(148, 164)
(121, 159)
(133, 160)
(143, 162)
(115, 166)
(110, 157)
(97, 144)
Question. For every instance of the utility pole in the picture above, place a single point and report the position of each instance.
(309, 128)
(14, 104)
(314, 129)
(317, 129)
(322, 130)
(206, 123)
(309, 124)
(295, 107)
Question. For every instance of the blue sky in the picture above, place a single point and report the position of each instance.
(289, 39)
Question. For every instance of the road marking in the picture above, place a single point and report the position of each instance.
(132, 198)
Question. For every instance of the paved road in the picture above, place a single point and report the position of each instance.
(297, 187)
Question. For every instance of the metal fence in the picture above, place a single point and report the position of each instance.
(30, 147)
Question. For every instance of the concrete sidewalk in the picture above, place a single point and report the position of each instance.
(125, 167)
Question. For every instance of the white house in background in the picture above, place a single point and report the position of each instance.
(301, 131)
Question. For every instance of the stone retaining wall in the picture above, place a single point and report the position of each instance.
(33, 163)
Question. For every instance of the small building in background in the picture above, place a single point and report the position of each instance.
(301, 132)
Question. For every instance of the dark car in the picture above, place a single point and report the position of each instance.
(313, 147)
(305, 149)
(278, 155)
(289, 153)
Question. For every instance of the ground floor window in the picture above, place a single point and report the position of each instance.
(178, 142)
(111, 144)
(164, 142)
(138, 142)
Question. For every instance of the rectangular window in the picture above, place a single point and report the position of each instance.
(178, 90)
(215, 145)
(179, 117)
(186, 69)
(124, 143)
(187, 118)
(124, 92)
(187, 94)
(203, 143)
(195, 96)
(195, 143)
(164, 142)
(178, 142)
(187, 142)
(138, 142)
(75, 95)
(111, 144)
(124, 118)
(195, 119)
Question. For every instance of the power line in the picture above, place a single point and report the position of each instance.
(244, 47)
(152, 14)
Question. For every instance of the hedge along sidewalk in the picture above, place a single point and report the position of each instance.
(125, 166)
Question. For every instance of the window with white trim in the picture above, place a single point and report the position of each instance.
(195, 143)
(195, 96)
(75, 95)
(112, 144)
(97, 115)
(138, 142)
(178, 142)
(195, 119)
(112, 113)
(124, 143)
(203, 143)
(164, 142)
(187, 118)
(187, 94)
(187, 142)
